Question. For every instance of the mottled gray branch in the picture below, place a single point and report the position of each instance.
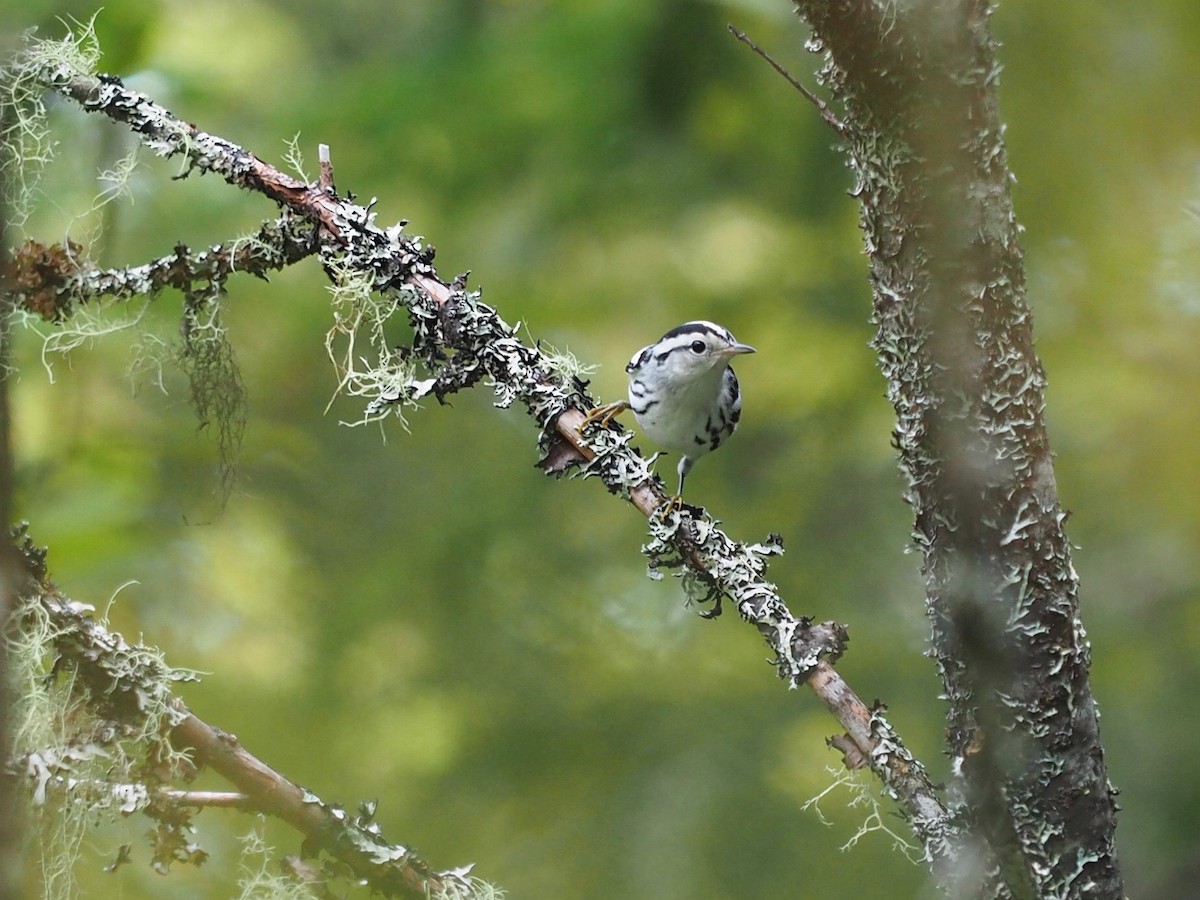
(129, 685)
(462, 341)
(51, 281)
(917, 87)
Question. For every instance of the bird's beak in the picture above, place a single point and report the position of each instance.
(737, 350)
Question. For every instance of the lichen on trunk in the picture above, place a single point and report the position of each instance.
(917, 86)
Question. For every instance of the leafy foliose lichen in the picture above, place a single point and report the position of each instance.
(91, 717)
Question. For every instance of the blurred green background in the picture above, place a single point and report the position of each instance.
(429, 621)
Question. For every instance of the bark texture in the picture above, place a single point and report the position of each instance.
(917, 86)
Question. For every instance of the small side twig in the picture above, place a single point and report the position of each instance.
(325, 180)
(53, 281)
(827, 115)
(208, 799)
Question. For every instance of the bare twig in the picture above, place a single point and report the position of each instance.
(208, 799)
(390, 868)
(827, 115)
(325, 180)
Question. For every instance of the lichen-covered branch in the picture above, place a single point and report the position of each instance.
(53, 282)
(460, 341)
(917, 87)
(50, 281)
(391, 869)
(129, 694)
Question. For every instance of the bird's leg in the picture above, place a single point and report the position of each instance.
(685, 466)
(603, 415)
(676, 502)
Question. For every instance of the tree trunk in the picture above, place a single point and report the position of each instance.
(917, 87)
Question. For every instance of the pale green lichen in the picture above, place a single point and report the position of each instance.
(563, 364)
(466, 887)
(259, 874)
(86, 729)
(87, 325)
(388, 376)
(294, 157)
(44, 716)
(26, 147)
(862, 796)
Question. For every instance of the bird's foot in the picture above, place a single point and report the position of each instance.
(603, 415)
(673, 503)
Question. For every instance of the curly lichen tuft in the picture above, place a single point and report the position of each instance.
(563, 365)
(467, 887)
(260, 877)
(385, 374)
(86, 740)
(863, 797)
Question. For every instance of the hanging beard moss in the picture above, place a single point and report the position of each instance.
(218, 394)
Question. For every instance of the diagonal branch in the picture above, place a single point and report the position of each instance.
(462, 341)
(828, 116)
(389, 868)
(131, 686)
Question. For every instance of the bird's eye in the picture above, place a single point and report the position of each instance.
(698, 347)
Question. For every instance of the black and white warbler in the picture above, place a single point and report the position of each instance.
(683, 392)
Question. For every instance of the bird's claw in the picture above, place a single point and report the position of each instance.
(673, 503)
(602, 415)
